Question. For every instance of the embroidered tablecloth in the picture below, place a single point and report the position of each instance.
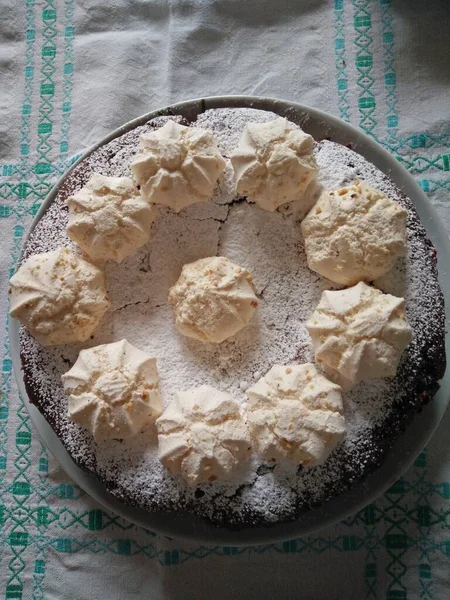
(71, 71)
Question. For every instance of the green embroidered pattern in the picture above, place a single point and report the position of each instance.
(340, 54)
(364, 64)
(390, 77)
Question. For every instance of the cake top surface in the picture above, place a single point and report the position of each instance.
(270, 247)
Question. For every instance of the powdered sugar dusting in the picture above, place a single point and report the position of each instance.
(270, 247)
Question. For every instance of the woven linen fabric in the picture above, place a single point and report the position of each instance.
(72, 71)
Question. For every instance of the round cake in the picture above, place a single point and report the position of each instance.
(270, 246)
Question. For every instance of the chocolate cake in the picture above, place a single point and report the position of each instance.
(270, 246)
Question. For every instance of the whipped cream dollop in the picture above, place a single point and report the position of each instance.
(59, 297)
(359, 333)
(274, 164)
(113, 390)
(213, 299)
(355, 233)
(108, 218)
(177, 165)
(295, 414)
(202, 436)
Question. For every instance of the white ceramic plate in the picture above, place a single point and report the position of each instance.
(407, 446)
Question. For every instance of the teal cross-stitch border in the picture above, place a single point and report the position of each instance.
(340, 60)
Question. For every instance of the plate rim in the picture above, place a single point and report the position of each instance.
(185, 526)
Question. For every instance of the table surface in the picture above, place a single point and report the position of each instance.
(72, 72)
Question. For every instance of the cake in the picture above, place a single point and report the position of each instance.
(270, 246)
